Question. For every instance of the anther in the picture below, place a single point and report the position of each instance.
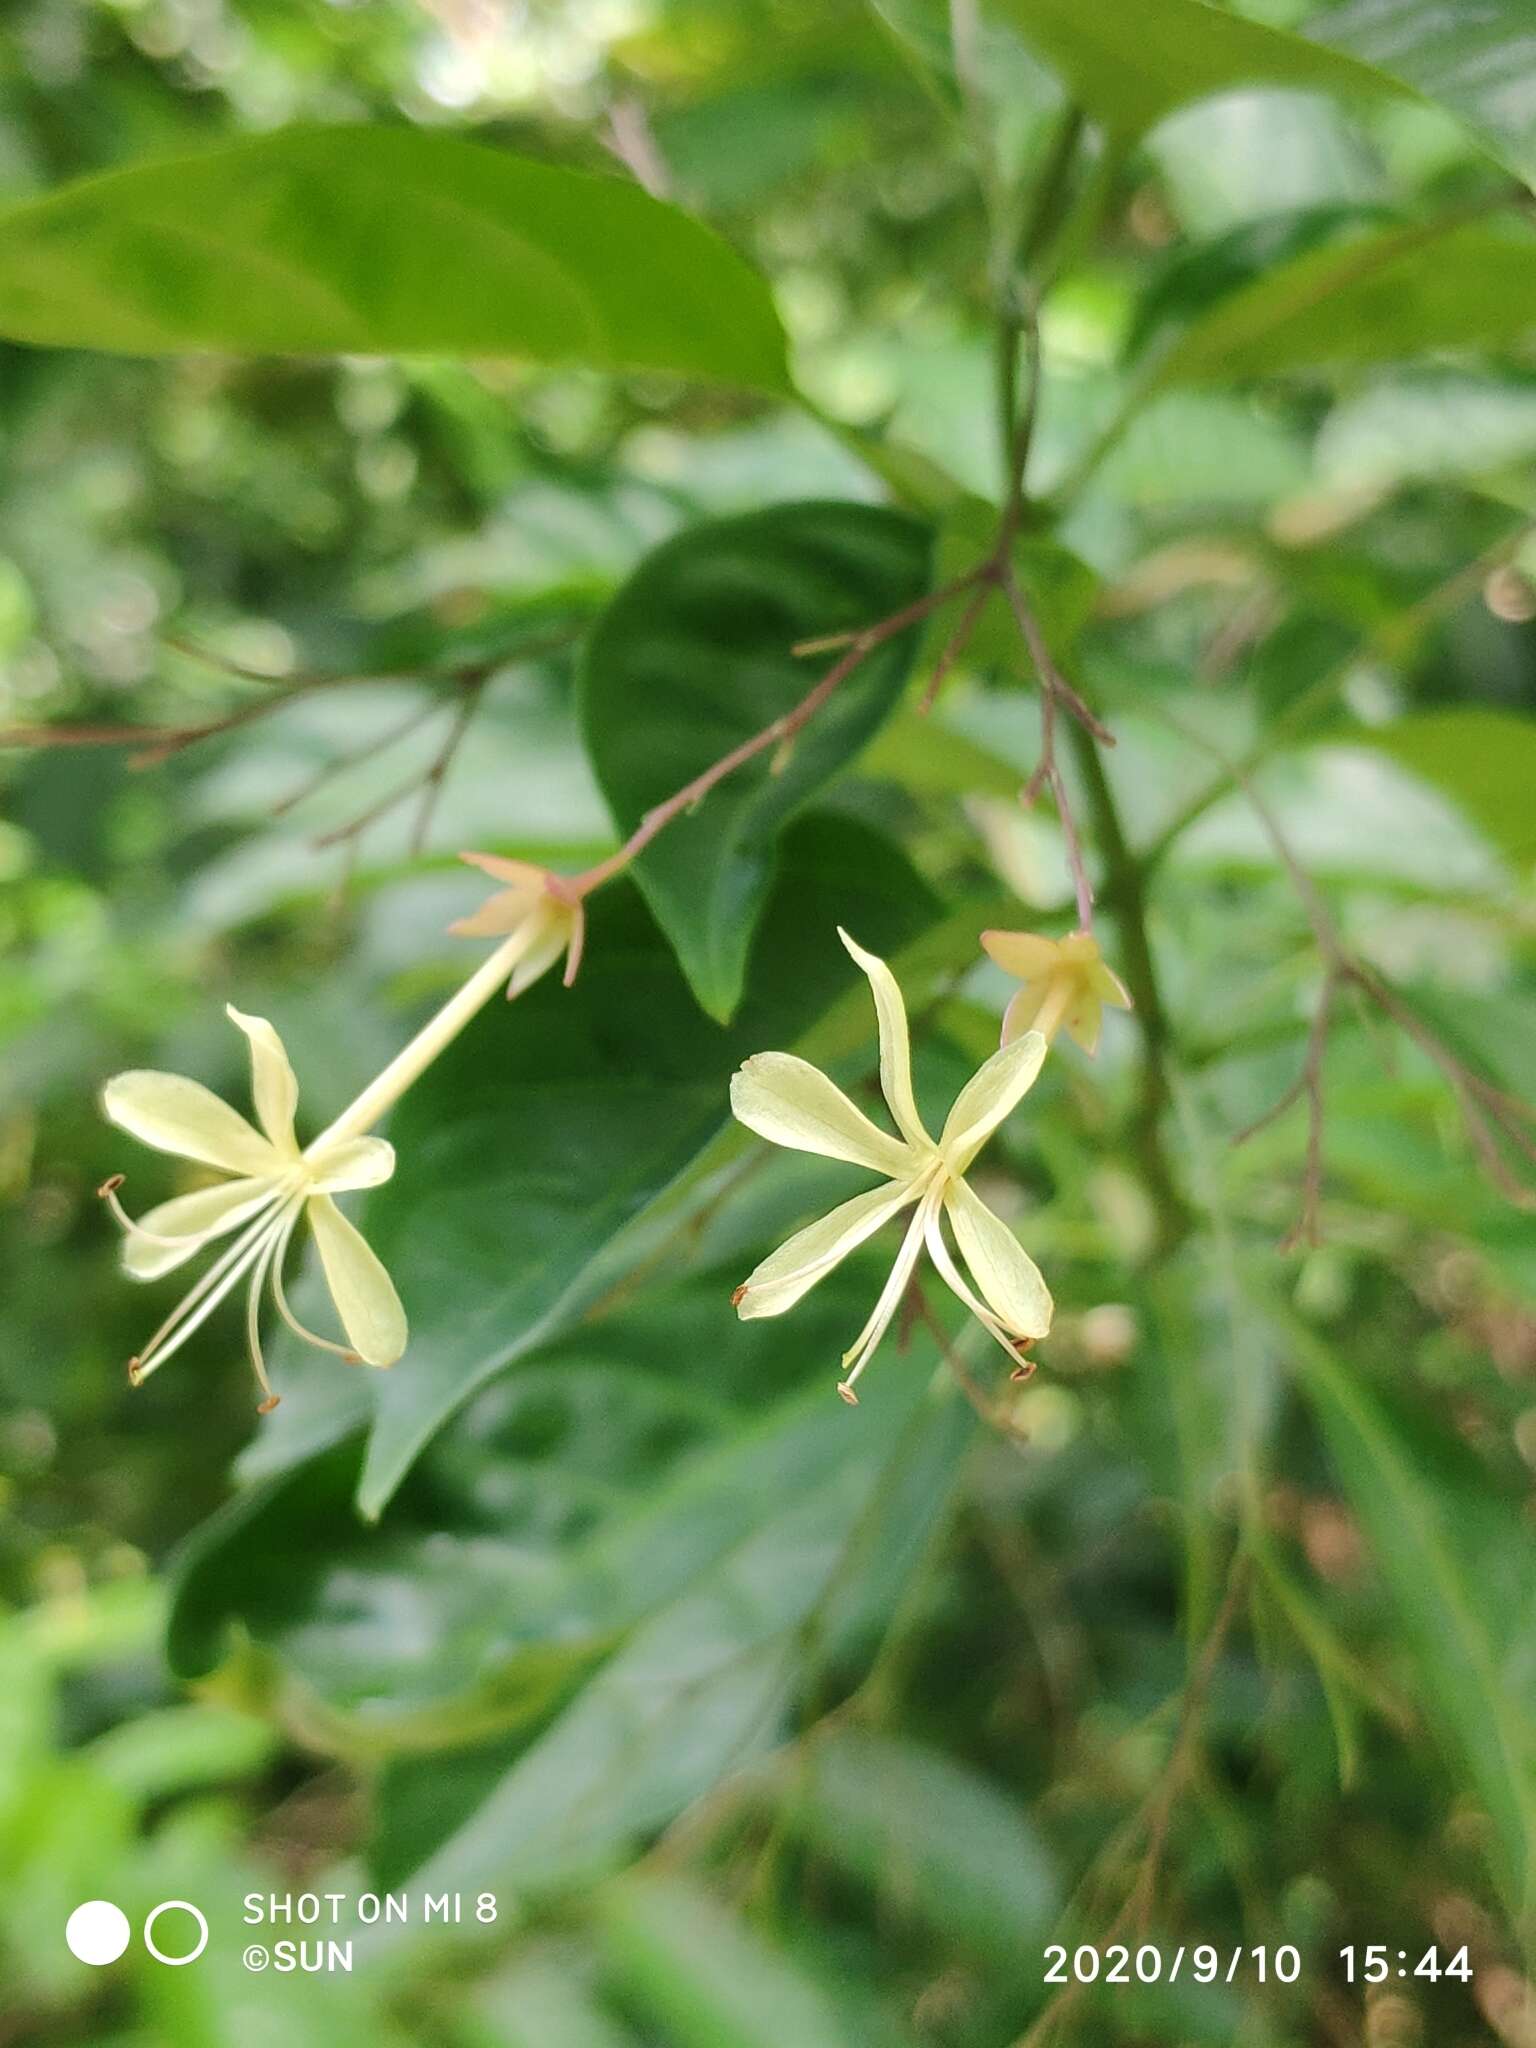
(135, 1372)
(1024, 1371)
(847, 1393)
(739, 1296)
(266, 1407)
(111, 1185)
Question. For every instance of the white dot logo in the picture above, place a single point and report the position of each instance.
(97, 1932)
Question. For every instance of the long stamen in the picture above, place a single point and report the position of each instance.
(195, 1307)
(866, 1343)
(258, 1280)
(189, 1240)
(950, 1274)
(280, 1296)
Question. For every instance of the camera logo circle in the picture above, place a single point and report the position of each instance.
(97, 1932)
(175, 1906)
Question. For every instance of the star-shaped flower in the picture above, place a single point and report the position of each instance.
(1065, 982)
(271, 1187)
(536, 906)
(792, 1103)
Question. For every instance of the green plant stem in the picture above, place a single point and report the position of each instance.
(1126, 880)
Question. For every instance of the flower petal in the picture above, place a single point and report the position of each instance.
(180, 1116)
(864, 1346)
(350, 1163)
(550, 929)
(1109, 988)
(274, 1091)
(497, 918)
(991, 1094)
(525, 876)
(793, 1270)
(363, 1292)
(190, 1222)
(789, 1102)
(1023, 1008)
(1084, 1020)
(1011, 1283)
(1025, 955)
(895, 1049)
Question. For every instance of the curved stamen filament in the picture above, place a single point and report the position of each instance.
(189, 1241)
(863, 1348)
(195, 1307)
(938, 1251)
(280, 1296)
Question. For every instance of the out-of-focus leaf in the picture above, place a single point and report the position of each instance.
(1132, 61)
(383, 241)
(1439, 1534)
(570, 1499)
(1059, 586)
(1251, 155)
(538, 2005)
(703, 1976)
(1422, 426)
(1483, 760)
(182, 1748)
(1475, 57)
(1380, 298)
(929, 1836)
(699, 1687)
(693, 657)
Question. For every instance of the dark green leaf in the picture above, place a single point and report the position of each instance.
(383, 241)
(694, 656)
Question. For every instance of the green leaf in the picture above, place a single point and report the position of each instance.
(1440, 1536)
(1131, 61)
(693, 657)
(931, 1836)
(1484, 760)
(1378, 298)
(567, 1501)
(701, 1683)
(705, 1977)
(555, 1122)
(383, 241)
(1477, 61)
(1059, 585)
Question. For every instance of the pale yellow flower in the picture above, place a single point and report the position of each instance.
(535, 907)
(792, 1103)
(271, 1186)
(1065, 982)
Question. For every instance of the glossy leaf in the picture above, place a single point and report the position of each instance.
(700, 1685)
(1132, 61)
(1479, 61)
(1382, 297)
(694, 656)
(1058, 585)
(382, 241)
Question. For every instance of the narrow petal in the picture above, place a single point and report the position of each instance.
(1010, 1282)
(789, 1102)
(1084, 1020)
(991, 1094)
(363, 1292)
(274, 1091)
(550, 934)
(1023, 1008)
(525, 876)
(794, 1269)
(180, 1116)
(1025, 955)
(166, 1236)
(955, 1281)
(497, 918)
(895, 1049)
(1109, 988)
(350, 1163)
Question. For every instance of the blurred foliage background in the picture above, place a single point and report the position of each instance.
(759, 1729)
